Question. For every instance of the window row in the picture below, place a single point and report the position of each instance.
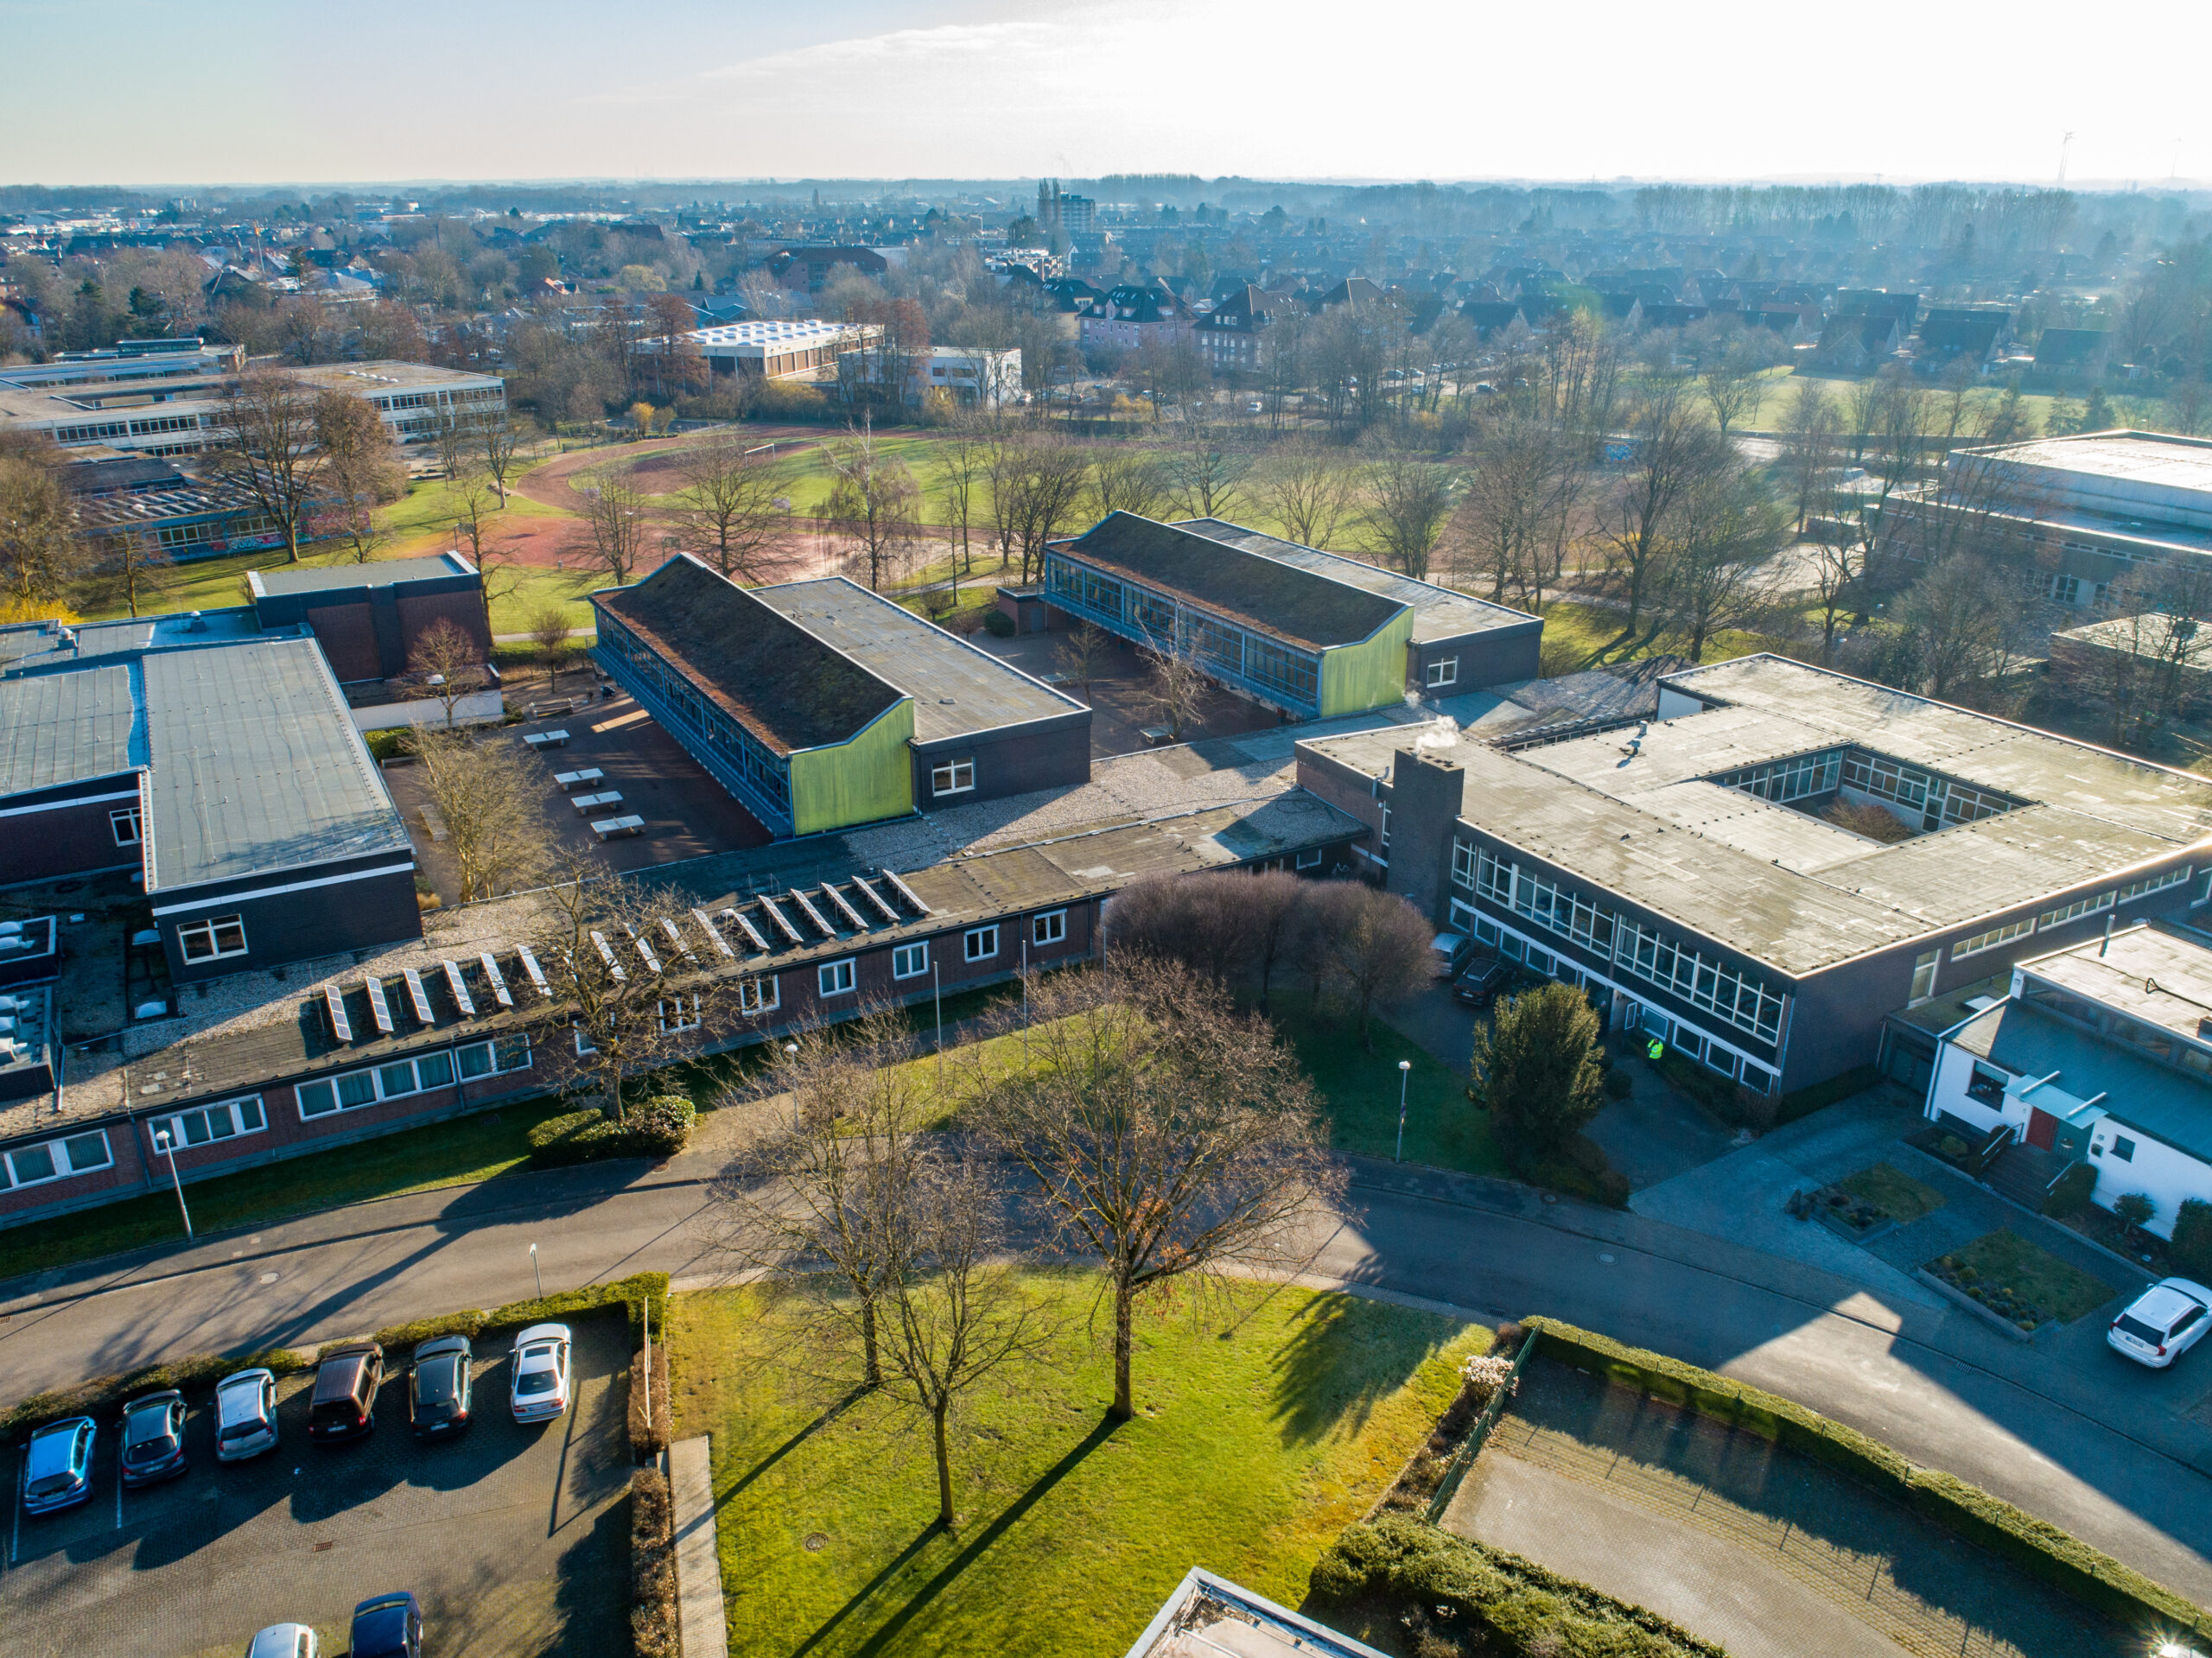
(350, 1091)
(1783, 781)
(1941, 799)
(982, 943)
(31, 1166)
(1993, 937)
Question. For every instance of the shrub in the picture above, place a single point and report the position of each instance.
(104, 1394)
(576, 1137)
(653, 1622)
(2071, 1195)
(660, 1126)
(2190, 1247)
(998, 623)
(649, 1438)
(1618, 1085)
(2135, 1208)
(467, 1323)
(1535, 1066)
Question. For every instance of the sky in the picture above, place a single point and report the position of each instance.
(185, 93)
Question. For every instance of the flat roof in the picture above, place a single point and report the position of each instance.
(783, 684)
(1439, 612)
(1784, 887)
(64, 728)
(340, 578)
(386, 374)
(1268, 595)
(2162, 458)
(2023, 1039)
(28, 648)
(255, 764)
(764, 336)
(2147, 973)
(958, 690)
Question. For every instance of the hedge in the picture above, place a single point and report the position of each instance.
(658, 1127)
(111, 1391)
(654, 1620)
(2190, 1247)
(1411, 1573)
(2037, 1548)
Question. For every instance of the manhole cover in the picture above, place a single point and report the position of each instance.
(815, 1542)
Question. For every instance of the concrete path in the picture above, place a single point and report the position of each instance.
(700, 1617)
(1711, 1587)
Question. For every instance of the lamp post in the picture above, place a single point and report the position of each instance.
(1405, 1069)
(161, 1145)
(536, 1273)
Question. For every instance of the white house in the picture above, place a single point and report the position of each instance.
(2101, 1052)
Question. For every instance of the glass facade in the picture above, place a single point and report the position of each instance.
(760, 769)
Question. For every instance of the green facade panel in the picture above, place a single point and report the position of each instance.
(864, 780)
(1370, 674)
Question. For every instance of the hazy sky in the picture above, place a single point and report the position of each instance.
(184, 91)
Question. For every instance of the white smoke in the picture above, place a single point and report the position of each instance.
(1443, 732)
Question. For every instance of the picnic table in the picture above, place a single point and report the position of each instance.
(544, 740)
(608, 828)
(590, 775)
(588, 803)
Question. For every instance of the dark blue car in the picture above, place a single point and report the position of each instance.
(388, 1626)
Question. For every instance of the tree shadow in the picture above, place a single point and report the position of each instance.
(836, 1409)
(1344, 1356)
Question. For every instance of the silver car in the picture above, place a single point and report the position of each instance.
(245, 1418)
(285, 1641)
(538, 1387)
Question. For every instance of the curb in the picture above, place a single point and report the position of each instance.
(698, 1558)
(2003, 1325)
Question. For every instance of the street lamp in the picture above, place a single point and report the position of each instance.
(1405, 1069)
(161, 1145)
(536, 1273)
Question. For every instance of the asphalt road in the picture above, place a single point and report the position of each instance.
(2070, 1433)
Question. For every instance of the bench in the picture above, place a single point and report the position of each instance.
(544, 740)
(608, 828)
(585, 804)
(589, 777)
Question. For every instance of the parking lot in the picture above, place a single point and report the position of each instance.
(515, 1539)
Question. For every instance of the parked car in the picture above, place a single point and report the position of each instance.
(153, 1437)
(438, 1387)
(58, 1465)
(538, 1390)
(1483, 979)
(245, 1420)
(285, 1641)
(387, 1626)
(2163, 1322)
(345, 1383)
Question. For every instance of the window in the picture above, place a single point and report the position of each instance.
(910, 961)
(1993, 938)
(211, 940)
(27, 1165)
(2123, 1148)
(953, 777)
(124, 823)
(2062, 589)
(1463, 864)
(757, 995)
(354, 1088)
(835, 978)
(1384, 840)
(1444, 671)
(584, 1043)
(214, 1122)
(1986, 1087)
(980, 944)
(679, 1014)
(1923, 975)
(503, 1053)
(1310, 860)
(1049, 928)
(2080, 906)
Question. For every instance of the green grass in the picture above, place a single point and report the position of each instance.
(1898, 1194)
(1254, 1443)
(2018, 1278)
(457, 1152)
(1580, 636)
(1360, 1090)
(1781, 390)
(430, 509)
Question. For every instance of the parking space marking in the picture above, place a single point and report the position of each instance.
(15, 1531)
(118, 1483)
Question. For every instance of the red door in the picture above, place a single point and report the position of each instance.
(2043, 1127)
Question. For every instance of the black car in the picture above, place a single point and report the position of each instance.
(1483, 979)
(387, 1626)
(153, 1437)
(438, 1388)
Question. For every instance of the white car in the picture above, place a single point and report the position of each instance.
(2163, 1322)
(538, 1389)
(285, 1641)
(245, 1416)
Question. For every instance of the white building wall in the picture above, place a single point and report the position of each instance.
(2156, 1170)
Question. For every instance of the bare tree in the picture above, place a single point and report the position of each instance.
(549, 632)
(1083, 651)
(1378, 950)
(1205, 478)
(1173, 680)
(1199, 921)
(1408, 503)
(962, 472)
(489, 795)
(873, 500)
(41, 552)
(1511, 523)
(446, 663)
(500, 438)
(1037, 484)
(472, 492)
(266, 448)
(1733, 380)
(129, 559)
(1127, 480)
(1167, 1136)
(1308, 489)
(1720, 575)
(621, 527)
(1673, 446)
(1808, 451)
(730, 512)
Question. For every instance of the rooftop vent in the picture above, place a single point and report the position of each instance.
(194, 622)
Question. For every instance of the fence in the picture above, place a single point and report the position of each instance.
(1470, 1447)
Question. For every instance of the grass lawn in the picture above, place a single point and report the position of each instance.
(2021, 1280)
(1592, 634)
(459, 1153)
(1781, 390)
(1898, 1194)
(1254, 1445)
(1361, 1092)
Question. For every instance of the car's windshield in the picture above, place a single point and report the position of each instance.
(2142, 1333)
(535, 1382)
(50, 1484)
(434, 1382)
(244, 1429)
(149, 1449)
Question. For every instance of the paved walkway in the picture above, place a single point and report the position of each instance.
(704, 1626)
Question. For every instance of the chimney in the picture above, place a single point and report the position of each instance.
(1426, 796)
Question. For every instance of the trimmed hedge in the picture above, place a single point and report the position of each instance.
(104, 1394)
(654, 1620)
(659, 1126)
(1396, 1568)
(2190, 1247)
(2036, 1546)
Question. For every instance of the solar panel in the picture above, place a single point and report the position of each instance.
(875, 897)
(904, 891)
(713, 933)
(783, 924)
(497, 980)
(536, 973)
(379, 1007)
(607, 955)
(459, 986)
(813, 915)
(418, 998)
(333, 1001)
(751, 931)
(837, 901)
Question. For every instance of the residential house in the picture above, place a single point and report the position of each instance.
(1858, 342)
(1231, 332)
(1970, 333)
(1129, 315)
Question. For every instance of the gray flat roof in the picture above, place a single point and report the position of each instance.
(2144, 972)
(1439, 612)
(958, 690)
(255, 765)
(1781, 886)
(62, 729)
(2139, 1092)
(337, 578)
(2160, 458)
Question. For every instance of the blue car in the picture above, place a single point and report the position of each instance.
(388, 1626)
(58, 1465)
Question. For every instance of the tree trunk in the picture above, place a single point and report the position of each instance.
(871, 1361)
(943, 1466)
(1122, 1408)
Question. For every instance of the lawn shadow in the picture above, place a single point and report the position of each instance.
(1345, 1355)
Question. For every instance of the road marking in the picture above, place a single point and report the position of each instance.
(269, 1278)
